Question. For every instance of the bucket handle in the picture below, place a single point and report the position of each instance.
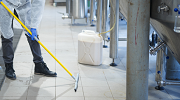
(89, 32)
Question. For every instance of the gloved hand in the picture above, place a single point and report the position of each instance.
(34, 33)
(0, 1)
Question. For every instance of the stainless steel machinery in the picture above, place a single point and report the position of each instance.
(164, 20)
(76, 9)
(114, 34)
(105, 13)
(56, 1)
(92, 12)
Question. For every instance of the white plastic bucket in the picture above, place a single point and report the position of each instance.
(89, 48)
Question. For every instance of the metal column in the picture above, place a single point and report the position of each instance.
(92, 12)
(105, 10)
(99, 15)
(114, 33)
(137, 49)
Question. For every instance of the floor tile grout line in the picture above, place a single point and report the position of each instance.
(108, 86)
(73, 38)
(122, 64)
(168, 94)
(30, 81)
(77, 63)
(55, 51)
(81, 81)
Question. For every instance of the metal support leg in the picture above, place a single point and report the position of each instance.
(137, 49)
(104, 45)
(114, 33)
(86, 20)
(113, 63)
(72, 20)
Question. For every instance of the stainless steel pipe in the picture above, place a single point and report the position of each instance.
(122, 39)
(105, 10)
(161, 64)
(99, 15)
(92, 12)
(172, 83)
(66, 17)
(115, 32)
(164, 83)
(137, 49)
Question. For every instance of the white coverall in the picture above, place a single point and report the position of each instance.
(30, 13)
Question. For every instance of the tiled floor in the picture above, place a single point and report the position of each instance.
(96, 82)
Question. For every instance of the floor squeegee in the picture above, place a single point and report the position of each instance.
(75, 78)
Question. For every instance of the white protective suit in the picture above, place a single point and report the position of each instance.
(29, 11)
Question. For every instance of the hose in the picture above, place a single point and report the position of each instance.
(114, 20)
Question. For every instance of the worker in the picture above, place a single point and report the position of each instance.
(30, 13)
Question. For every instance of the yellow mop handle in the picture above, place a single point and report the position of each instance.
(36, 39)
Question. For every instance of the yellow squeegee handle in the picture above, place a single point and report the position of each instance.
(54, 57)
(35, 37)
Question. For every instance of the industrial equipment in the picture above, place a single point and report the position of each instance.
(76, 9)
(56, 1)
(92, 12)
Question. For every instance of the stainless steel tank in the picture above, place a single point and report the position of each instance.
(172, 68)
(69, 7)
(162, 20)
(79, 9)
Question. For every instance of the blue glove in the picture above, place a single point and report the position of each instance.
(34, 33)
(0, 1)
